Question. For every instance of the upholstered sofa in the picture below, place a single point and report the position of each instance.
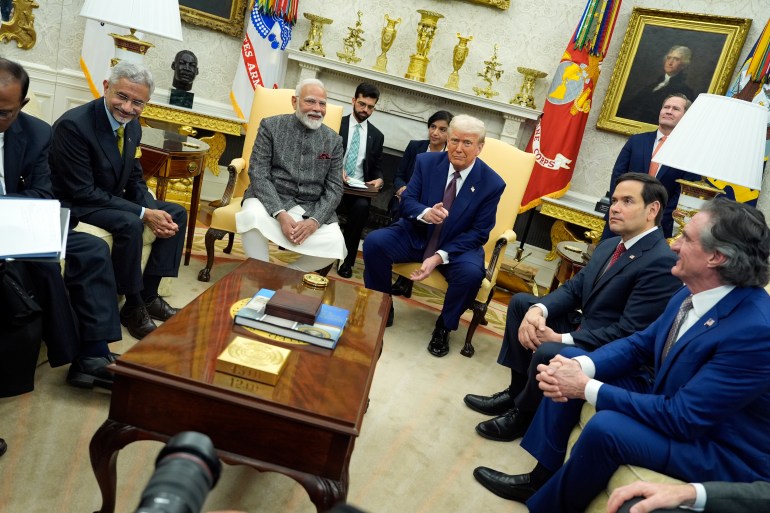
(626, 474)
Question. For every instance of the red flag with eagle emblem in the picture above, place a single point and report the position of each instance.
(557, 137)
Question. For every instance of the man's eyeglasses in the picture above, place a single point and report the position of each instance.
(8, 114)
(136, 103)
(312, 102)
(364, 105)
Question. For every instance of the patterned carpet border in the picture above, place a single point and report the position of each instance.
(421, 296)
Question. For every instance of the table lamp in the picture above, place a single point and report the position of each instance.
(158, 17)
(718, 137)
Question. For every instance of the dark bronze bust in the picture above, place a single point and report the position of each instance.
(185, 68)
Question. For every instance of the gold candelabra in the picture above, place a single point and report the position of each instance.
(386, 41)
(458, 59)
(526, 97)
(313, 43)
(426, 31)
(490, 74)
(353, 41)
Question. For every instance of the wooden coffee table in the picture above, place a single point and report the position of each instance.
(304, 427)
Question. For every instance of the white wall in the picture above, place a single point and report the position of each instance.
(531, 34)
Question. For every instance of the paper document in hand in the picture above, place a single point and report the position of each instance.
(358, 184)
(30, 228)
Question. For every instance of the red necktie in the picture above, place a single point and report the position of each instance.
(618, 251)
(654, 166)
(449, 197)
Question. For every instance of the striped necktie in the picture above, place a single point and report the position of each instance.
(673, 333)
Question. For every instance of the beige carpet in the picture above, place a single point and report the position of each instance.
(416, 452)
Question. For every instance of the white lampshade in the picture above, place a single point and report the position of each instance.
(721, 138)
(158, 17)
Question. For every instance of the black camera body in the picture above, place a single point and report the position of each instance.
(186, 469)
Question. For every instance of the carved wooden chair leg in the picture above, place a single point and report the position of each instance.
(212, 234)
(229, 247)
(479, 311)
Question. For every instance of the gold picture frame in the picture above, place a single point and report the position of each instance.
(20, 24)
(500, 4)
(638, 84)
(223, 15)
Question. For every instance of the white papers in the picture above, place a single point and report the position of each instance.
(32, 228)
(356, 184)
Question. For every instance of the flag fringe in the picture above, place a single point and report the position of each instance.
(596, 25)
(285, 9)
(759, 69)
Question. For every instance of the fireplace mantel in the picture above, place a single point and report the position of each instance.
(405, 105)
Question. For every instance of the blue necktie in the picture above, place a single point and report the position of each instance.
(449, 197)
(355, 145)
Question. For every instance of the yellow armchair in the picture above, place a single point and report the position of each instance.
(515, 167)
(266, 103)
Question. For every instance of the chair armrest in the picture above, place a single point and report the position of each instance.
(235, 168)
(505, 238)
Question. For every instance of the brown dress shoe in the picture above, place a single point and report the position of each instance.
(137, 320)
(160, 310)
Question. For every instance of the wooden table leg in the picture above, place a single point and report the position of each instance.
(110, 438)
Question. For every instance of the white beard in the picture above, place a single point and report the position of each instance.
(305, 119)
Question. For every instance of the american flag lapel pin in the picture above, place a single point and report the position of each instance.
(631, 257)
(710, 322)
(473, 189)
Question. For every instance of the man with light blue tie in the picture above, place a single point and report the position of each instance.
(362, 143)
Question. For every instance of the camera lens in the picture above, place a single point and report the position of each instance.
(185, 471)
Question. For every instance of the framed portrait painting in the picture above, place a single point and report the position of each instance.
(223, 15)
(668, 52)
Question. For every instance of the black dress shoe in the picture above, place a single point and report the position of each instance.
(402, 287)
(507, 427)
(91, 371)
(3, 446)
(517, 488)
(137, 320)
(495, 404)
(439, 342)
(345, 270)
(159, 309)
(391, 315)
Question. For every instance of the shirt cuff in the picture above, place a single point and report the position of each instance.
(275, 214)
(420, 217)
(444, 255)
(141, 214)
(316, 221)
(587, 365)
(700, 497)
(592, 390)
(566, 338)
(542, 307)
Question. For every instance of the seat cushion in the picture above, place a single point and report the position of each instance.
(625, 475)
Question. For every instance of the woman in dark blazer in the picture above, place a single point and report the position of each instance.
(438, 128)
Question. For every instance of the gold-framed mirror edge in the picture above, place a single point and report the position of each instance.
(21, 26)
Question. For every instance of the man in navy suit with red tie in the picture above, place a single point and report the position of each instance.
(704, 412)
(447, 213)
(636, 157)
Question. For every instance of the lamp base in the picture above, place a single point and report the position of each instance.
(692, 198)
(130, 48)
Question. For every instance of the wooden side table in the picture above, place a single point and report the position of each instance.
(575, 208)
(572, 261)
(169, 156)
